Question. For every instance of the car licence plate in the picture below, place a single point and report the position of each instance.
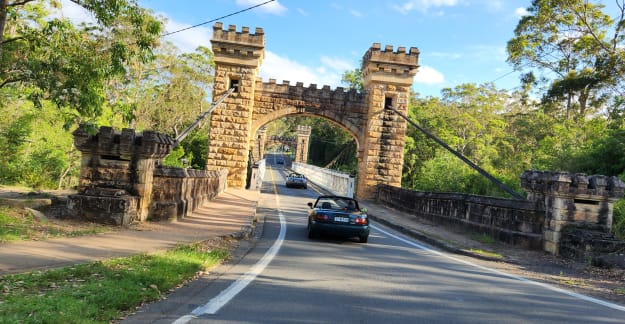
(341, 219)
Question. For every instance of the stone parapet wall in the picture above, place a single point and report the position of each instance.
(178, 192)
(572, 199)
(511, 221)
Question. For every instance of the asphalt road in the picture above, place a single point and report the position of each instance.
(287, 278)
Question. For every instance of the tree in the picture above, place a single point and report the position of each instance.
(171, 92)
(70, 65)
(577, 43)
(353, 79)
(468, 118)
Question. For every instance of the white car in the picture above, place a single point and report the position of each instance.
(296, 180)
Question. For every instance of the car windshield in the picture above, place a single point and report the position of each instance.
(338, 203)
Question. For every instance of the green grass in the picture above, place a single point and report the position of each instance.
(487, 253)
(102, 291)
(618, 219)
(483, 238)
(17, 224)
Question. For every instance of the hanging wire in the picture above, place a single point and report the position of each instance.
(213, 20)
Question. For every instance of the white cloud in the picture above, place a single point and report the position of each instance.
(423, 5)
(520, 12)
(188, 40)
(75, 13)
(329, 71)
(429, 75)
(494, 5)
(336, 64)
(445, 55)
(355, 13)
(302, 12)
(274, 8)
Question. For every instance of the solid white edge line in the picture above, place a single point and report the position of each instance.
(519, 278)
(217, 302)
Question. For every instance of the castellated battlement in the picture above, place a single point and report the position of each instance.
(388, 66)
(127, 143)
(312, 90)
(399, 57)
(568, 184)
(303, 130)
(243, 37)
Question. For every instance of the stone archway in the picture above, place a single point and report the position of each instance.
(387, 74)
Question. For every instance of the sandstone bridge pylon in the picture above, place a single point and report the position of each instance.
(235, 126)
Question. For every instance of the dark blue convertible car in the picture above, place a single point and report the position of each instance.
(338, 216)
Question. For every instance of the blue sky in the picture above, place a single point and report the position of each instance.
(315, 41)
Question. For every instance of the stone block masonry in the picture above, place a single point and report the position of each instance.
(572, 199)
(238, 124)
(565, 214)
(511, 221)
(121, 181)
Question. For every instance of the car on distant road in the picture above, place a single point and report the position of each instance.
(280, 161)
(337, 215)
(296, 180)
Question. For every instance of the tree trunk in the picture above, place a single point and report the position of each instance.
(4, 5)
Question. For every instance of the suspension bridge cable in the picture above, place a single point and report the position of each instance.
(213, 20)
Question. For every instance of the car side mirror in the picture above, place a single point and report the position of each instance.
(310, 204)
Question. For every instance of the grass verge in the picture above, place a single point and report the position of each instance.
(18, 224)
(483, 238)
(487, 253)
(101, 292)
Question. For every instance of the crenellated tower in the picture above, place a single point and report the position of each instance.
(303, 140)
(388, 76)
(238, 56)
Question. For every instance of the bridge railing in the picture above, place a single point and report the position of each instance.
(257, 175)
(338, 183)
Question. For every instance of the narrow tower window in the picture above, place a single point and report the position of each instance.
(234, 83)
(388, 102)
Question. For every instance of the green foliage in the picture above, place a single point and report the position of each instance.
(618, 219)
(171, 92)
(353, 79)
(567, 43)
(101, 292)
(470, 119)
(175, 158)
(37, 150)
(71, 65)
(196, 145)
(330, 145)
(605, 155)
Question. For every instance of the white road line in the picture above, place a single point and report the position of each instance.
(501, 273)
(217, 302)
